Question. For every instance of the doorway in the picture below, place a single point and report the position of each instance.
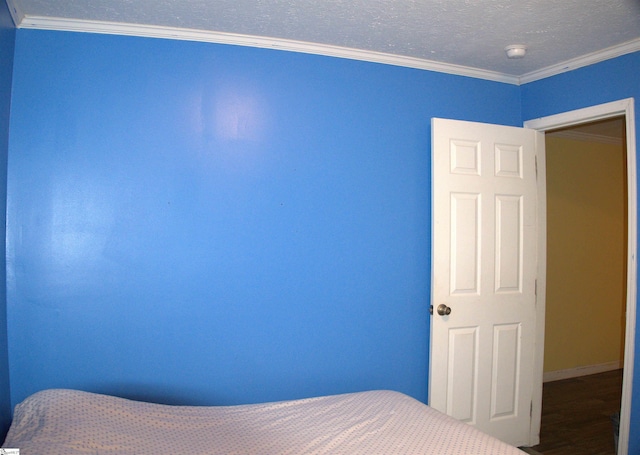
(586, 285)
(625, 110)
(586, 249)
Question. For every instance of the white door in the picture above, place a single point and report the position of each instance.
(484, 275)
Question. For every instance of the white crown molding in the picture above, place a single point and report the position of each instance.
(586, 60)
(117, 28)
(150, 31)
(16, 13)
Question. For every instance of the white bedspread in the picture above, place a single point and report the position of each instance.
(67, 422)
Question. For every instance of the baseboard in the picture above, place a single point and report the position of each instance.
(550, 376)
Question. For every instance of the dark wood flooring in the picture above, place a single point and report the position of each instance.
(576, 415)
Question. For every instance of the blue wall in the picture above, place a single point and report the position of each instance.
(611, 80)
(208, 224)
(7, 44)
(199, 223)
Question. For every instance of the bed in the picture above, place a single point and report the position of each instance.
(69, 422)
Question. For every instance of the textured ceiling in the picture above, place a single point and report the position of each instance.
(470, 33)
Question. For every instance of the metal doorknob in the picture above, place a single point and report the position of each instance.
(443, 310)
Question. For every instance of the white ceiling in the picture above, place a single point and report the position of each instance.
(458, 36)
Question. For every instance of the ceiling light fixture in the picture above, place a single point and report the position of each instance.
(516, 50)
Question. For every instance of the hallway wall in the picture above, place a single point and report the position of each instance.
(586, 258)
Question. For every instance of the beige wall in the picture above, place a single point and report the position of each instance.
(586, 210)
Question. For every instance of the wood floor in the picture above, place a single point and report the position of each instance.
(576, 415)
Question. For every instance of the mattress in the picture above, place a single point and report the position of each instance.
(69, 422)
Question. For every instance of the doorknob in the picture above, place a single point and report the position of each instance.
(443, 310)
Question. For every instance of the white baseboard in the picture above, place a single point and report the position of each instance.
(550, 376)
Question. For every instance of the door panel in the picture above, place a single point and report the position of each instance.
(465, 249)
(484, 269)
(508, 243)
(461, 398)
(506, 356)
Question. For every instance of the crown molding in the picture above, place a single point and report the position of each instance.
(16, 13)
(586, 60)
(150, 31)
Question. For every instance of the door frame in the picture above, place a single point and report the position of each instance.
(619, 108)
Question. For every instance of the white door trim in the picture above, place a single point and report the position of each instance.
(623, 107)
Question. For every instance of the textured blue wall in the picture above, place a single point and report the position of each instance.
(7, 44)
(200, 223)
(611, 80)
